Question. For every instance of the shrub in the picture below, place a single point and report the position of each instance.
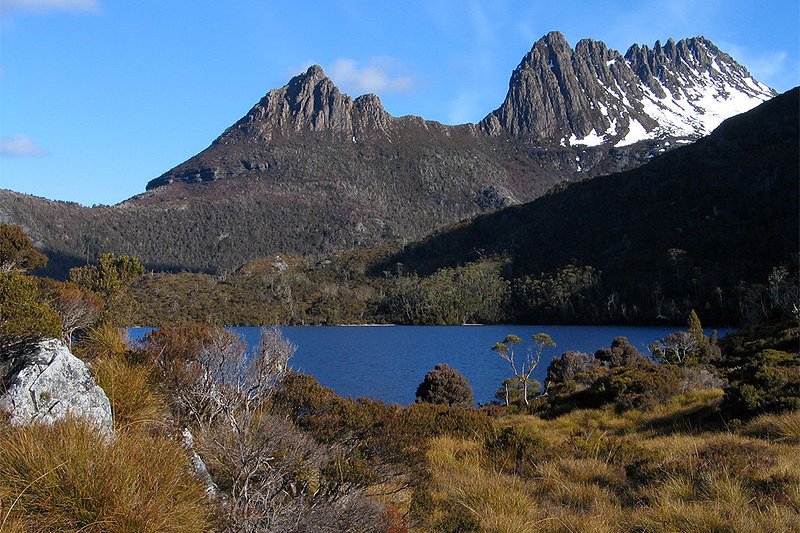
(518, 448)
(446, 386)
(638, 387)
(571, 366)
(428, 420)
(621, 353)
(66, 477)
(24, 318)
(17, 250)
(762, 366)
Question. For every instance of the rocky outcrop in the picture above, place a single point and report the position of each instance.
(50, 384)
(311, 102)
(199, 468)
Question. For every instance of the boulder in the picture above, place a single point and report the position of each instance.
(49, 384)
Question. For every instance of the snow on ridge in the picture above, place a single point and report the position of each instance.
(636, 133)
(701, 101)
(592, 139)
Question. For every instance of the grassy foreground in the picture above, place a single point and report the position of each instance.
(599, 470)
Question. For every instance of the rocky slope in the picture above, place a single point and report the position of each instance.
(593, 95)
(311, 170)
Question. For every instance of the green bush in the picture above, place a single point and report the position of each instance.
(24, 318)
(446, 386)
(762, 366)
(638, 387)
(517, 449)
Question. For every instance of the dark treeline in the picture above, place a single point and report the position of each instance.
(341, 290)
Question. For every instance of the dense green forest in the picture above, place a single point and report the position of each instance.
(341, 290)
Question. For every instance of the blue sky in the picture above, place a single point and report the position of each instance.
(97, 97)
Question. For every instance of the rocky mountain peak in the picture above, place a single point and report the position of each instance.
(310, 102)
(558, 96)
(593, 95)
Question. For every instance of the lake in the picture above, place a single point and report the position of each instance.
(389, 362)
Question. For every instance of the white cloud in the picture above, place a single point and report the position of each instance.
(20, 146)
(49, 6)
(466, 107)
(374, 77)
(772, 67)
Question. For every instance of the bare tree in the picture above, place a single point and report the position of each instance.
(77, 308)
(270, 475)
(676, 348)
(522, 369)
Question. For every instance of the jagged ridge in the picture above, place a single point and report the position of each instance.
(593, 95)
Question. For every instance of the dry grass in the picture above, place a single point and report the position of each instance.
(615, 472)
(102, 341)
(66, 477)
(129, 388)
(779, 428)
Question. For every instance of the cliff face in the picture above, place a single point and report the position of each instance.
(310, 102)
(593, 95)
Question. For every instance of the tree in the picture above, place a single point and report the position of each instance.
(110, 278)
(77, 308)
(109, 275)
(512, 390)
(24, 318)
(686, 348)
(445, 385)
(17, 250)
(677, 348)
(523, 370)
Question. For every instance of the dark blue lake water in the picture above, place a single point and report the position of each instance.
(389, 362)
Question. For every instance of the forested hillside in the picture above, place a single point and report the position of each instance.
(711, 227)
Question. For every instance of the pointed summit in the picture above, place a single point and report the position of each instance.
(310, 102)
(315, 71)
(593, 95)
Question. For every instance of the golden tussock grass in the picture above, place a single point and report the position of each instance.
(129, 387)
(779, 428)
(103, 340)
(613, 471)
(67, 477)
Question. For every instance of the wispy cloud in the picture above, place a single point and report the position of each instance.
(376, 76)
(465, 107)
(20, 146)
(48, 6)
(773, 67)
(761, 64)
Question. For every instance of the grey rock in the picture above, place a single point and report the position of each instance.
(198, 466)
(49, 384)
(557, 92)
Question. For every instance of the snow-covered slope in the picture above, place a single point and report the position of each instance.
(593, 95)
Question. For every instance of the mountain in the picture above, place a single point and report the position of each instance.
(593, 95)
(310, 170)
(696, 226)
